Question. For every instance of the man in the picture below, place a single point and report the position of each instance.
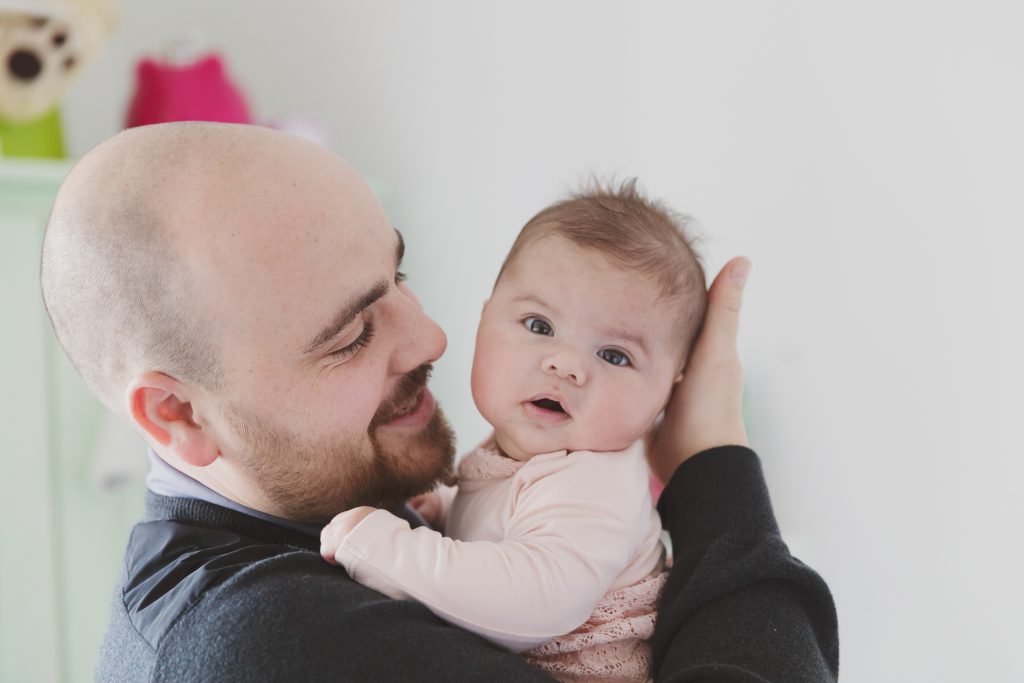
(235, 293)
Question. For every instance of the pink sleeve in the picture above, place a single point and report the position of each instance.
(572, 532)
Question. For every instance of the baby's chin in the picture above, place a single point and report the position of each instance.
(514, 448)
(523, 448)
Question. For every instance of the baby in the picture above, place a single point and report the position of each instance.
(551, 545)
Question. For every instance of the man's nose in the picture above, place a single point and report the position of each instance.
(566, 364)
(421, 340)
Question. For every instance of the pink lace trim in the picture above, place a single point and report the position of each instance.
(612, 644)
(485, 462)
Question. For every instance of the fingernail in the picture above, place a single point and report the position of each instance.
(740, 271)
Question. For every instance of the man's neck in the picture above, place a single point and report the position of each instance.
(165, 480)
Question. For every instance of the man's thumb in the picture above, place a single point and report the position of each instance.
(725, 299)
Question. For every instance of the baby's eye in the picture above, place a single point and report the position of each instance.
(614, 357)
(538, 326)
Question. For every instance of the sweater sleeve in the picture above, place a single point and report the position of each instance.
(737, 605)
(297, 618)
(566, 542)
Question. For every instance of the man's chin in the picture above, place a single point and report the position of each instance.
(318, 480)
(420, 460)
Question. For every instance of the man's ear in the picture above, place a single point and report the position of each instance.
(160, 406)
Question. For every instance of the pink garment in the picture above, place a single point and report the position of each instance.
(612, 645)
(531, 550)
(198, 92)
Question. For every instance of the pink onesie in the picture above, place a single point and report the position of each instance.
(560, 555)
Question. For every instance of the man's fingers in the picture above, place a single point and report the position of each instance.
(725, 299)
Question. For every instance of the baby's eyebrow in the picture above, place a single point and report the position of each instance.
(533, 298)
(628, 337)
(611, 333)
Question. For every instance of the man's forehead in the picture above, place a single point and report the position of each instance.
(278, 286)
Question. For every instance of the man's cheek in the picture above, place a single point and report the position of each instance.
(353, 405)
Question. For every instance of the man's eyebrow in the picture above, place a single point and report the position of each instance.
(400, 249)
(346, 315)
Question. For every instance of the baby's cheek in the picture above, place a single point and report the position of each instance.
(616, 426)
(488, 384)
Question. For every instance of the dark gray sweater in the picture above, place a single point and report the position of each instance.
(210, 594)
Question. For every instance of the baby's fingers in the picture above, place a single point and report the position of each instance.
(329, 545)
(330, 541)
(335, 532)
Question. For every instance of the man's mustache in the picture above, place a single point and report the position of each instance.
(410, 385)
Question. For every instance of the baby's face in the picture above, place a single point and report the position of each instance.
(572, 353)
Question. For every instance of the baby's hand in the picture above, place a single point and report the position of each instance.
(428, 505)
(338, 528)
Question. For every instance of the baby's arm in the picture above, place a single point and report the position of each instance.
(570, 536)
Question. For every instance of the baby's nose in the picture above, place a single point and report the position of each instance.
(567, 366)
(24, 65)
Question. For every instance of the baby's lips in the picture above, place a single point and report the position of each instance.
(548, 413)
(556, 397)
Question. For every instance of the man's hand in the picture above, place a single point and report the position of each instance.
(338, 528)
(705, 409)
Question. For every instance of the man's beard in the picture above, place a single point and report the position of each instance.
(311, 481)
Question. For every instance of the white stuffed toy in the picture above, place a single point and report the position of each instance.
(44, 44)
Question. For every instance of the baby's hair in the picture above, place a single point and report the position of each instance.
(633, 232)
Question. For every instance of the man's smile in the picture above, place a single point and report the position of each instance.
(414, 413)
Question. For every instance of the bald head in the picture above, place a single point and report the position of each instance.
(148, 237)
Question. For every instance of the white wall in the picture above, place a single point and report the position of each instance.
(866, 155)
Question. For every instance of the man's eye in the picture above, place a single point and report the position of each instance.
(362, 340)
(399, 276)
(614, 357)
(538, 326)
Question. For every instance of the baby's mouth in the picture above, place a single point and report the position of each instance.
(549, 404)
(548, 408)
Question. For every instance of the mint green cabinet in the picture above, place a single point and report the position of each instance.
(63, 535)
